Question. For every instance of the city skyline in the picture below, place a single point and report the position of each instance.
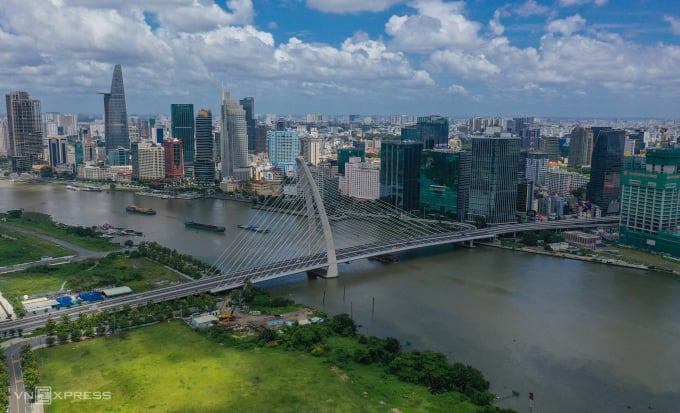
(570, 58)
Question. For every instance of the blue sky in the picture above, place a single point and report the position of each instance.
(571, 58)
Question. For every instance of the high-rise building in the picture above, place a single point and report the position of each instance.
(444, 182)
(284, 147)
(148, 161)
(182, 118)
(58, 149)
(311, 150)
(24, 127)
(433, 131)
(604, 189)
(361, 180)
(248, 104)
(563, 182)
(400, 174)
(119, 156)
(525, 195)
(493, 188)
(650, 204)
(116, 130)
(174, 159)
(536, 167)
(345, 153)
(204, 164)
(580, 147)
(551, 146)
(235, 139)
(261, 145)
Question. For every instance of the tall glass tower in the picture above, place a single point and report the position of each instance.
(182, 118)
(204, 165)
(400, 174)
(24, 126)
(493, 187)
(604, 189)
(235, 138)
(248, 104)
(115, 114)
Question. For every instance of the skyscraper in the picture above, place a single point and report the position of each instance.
(604, 189)
(248, 104)
(24, 127)
(650, 204)
(580, 147)
(115, 113)
(493, 188)
(235, 138)
(284, 147)
(433, 131)
(174, 160)
(345, 153)
(204, 165)
(400, 174)
(182, 118)
(444, 182)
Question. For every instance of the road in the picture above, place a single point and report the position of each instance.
(292, 266)
(18, 399)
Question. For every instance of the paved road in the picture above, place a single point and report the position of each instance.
(18, 400)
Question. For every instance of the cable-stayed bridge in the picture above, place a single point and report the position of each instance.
(313, 227)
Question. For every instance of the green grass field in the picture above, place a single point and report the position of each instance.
(169, 368)
(43, 223)
(18, 248)
(140, 274)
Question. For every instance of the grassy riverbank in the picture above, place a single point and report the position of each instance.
(169, 368)
(42, 223)
(18, 248)
(140, 274)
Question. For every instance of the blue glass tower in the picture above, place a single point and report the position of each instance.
(115, 113)
(182, 118)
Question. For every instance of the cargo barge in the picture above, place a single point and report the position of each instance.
(140, 210)
(205, 227)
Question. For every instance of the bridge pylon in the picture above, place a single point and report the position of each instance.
(316, 213)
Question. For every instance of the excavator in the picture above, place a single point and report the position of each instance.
(226, 315)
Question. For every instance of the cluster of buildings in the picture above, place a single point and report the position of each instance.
(489, 170)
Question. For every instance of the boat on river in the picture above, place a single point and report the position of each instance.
(205, 227)
(140, 210)
(254, 228)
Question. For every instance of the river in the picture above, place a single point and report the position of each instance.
(582, 337)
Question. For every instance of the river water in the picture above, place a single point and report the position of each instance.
(582, 337)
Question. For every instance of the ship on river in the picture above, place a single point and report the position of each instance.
(140, 210)
(254, 228)
(205, 227)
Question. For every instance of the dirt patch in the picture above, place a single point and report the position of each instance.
(341, 374)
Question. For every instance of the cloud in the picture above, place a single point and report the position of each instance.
(567, 3)
(351, 6)
(566, 26)
(675, 23)
(530, 8)
(495, 24)
(457, 90)
(436, 24)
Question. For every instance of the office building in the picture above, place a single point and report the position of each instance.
(284, 147)
(444, 182)
(119, 157)
(235, 140)
(361, 180)
(148, 161)
(204, 164)
(604, 189)
(493, 188)
(116, 131)
(400, 174)
(174, 159)
(525, 196)
(580, 147)
(182, 118)
(551, 146)
(311, 150)
(536, 167)
(432, 131)
(58, 151)
(248, 104)
(24, 129)
(261, 144)
(650, 204)
(563, 182)
(345, 153)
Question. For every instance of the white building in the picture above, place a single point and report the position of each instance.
(151, 161)
(361, 180)
(562, 182)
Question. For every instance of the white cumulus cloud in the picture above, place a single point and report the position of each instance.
(566, 26)
(351, 6)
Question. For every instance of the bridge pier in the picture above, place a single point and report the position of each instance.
(329, 272)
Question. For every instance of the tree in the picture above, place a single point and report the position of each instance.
(129, 243)
(529, 238)
(50, 340)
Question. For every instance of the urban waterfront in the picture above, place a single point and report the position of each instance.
(583, 337)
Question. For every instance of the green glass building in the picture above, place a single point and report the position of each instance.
(444, 183)
(182, 118)
(345, 153)
(650, 202)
